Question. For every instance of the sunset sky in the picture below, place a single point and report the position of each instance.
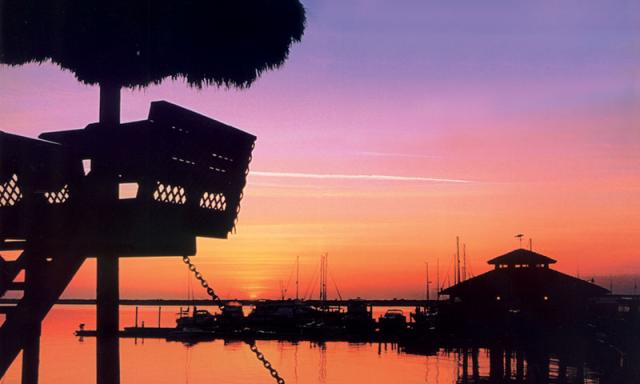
(396, 126)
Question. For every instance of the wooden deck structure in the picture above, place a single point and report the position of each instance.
(144, 188)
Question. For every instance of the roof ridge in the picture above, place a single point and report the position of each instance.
(522, 256)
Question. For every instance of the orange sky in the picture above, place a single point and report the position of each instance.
(379, 234)
(539, 117)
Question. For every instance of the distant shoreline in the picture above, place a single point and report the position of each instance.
(203, 302)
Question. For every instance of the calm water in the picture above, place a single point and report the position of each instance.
(66, 359)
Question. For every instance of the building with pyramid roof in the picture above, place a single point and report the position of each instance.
(522, 287)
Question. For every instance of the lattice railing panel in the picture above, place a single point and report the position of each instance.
(172, 194)
(215, 201)
(10, 193)
(59, 197)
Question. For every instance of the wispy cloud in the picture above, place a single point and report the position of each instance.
(397, 154)
(287, 186)
(325, 176)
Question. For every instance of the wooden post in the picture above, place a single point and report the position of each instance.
(519, 365)
(109, 104)
(496, 361)
(31, 355)
(544, 365)
(31, 347)
(580, 371)
(474, 363)
(465, 364)
(108, 344)
(562, 370)
(107, 295)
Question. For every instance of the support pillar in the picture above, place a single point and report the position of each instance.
(107, 295)
(562, 370)
(496, 363)
(465, 364)
(544, 368)
(33, 296)
(507, 363)
(108, 343)
(475, 365)
(31, 355)
(109, 104)
(519, 365)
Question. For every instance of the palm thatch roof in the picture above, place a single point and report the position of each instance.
(134, 43)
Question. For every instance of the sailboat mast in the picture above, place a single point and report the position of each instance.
(324, 270)
(438, 277)
(325, 275)
(321, 272)
(457, 259)
(427, 273)
(297, 277)
(464, 262)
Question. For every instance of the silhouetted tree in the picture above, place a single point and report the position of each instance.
(134, 43)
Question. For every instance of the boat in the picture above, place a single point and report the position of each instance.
(359, 317)
(199, 319)
(231, 317)
(289, 314)
(423, 318)
(393, 321)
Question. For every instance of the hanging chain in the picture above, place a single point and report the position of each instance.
(216, 299)
(265, 362)
(220, 304)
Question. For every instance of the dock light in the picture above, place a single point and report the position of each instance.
(497, 298)
(546, 298)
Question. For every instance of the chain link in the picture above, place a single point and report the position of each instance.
(265, 362)
(220, 304)
(216, 299)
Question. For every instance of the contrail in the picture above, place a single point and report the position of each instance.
(354, 177)
(396, 154)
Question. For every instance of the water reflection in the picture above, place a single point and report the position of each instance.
(65, 359)
(499, 364)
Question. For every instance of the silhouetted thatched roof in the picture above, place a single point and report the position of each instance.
(134, 43)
